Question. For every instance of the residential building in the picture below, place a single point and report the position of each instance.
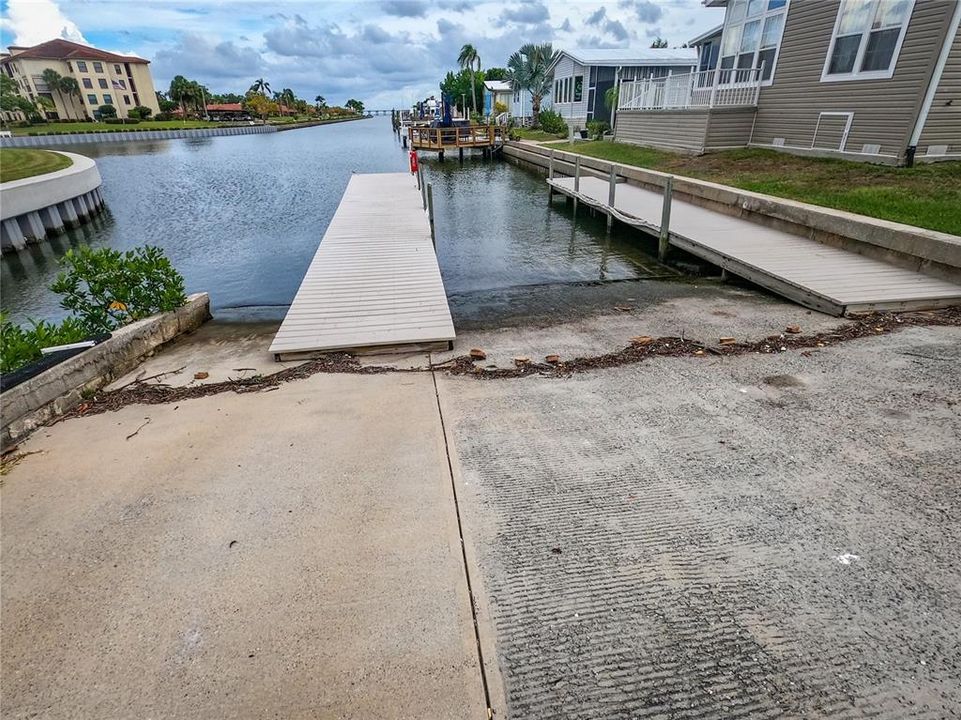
(874, 80)
(497, 91)
(583, 77)
(104, 78)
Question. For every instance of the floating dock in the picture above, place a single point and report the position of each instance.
(374, 283)
(815, 275)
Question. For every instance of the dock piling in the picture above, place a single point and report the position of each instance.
(577, 181)
(610, 199)
(423, 186)
(430, 212)
(550, 176)
(662, 243)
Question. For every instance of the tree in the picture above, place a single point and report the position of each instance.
(70, 88)
(467, 59)
(460, 86)
(659, 42)
(52, 80)
(141, 112)
(610, 97)
(496, 73)
(11, 100)
(107, 111)
(182, 91)
(258, 104)
(529, 70)
(320, 102)
(260, 86)
(356, 105)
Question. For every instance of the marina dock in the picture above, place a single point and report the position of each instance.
(439, 139)
(818, 276)
(374, 283)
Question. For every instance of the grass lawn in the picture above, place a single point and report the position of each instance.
(927, 195)
(53, 127)
(539, 135)
(18, 163)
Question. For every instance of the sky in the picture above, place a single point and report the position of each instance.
(387, 53)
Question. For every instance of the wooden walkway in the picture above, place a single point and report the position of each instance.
(374, 283)
(815, 275)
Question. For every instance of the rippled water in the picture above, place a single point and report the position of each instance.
(242, 216)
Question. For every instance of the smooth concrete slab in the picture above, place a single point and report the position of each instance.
(288, 554)
(816, 275)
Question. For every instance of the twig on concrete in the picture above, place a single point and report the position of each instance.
(150, 377)
(144, 424)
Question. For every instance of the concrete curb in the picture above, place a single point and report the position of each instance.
(928, 251)
(51, 393)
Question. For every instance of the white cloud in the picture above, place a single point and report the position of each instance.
(31, 22)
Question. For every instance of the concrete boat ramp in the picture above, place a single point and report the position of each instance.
(810, 273)
(374, 283)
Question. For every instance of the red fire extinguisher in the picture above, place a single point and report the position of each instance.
(413, 162)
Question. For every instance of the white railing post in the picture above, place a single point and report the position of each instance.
(717, 74)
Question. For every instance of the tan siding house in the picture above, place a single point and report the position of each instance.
(876, 80)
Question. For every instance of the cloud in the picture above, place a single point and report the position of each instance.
(529, 13)
(31, 22)
(647, 11)
(405, 8)
(617, 30)
(458, 6)
(566, 26)
(597, 17)
(196, 56)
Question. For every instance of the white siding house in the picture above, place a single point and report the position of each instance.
(583, 77)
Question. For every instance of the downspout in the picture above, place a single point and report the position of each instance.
(933, 85)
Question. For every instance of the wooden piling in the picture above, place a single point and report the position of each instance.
(662, 243)
(430, 212)
(577, 180)
(610, 199)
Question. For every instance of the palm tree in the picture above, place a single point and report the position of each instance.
(182, 91)
(260, 86)
(52, 80)
(288, 98)
(70, 87)
(467, 58)
(321, 101)
(528, 70)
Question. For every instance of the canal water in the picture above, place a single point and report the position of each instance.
(241, 218)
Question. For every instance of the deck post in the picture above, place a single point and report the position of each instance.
(662, 242)
(612, 186)
(423, 186)
(430, 212)
(460, 153)
(550, 165)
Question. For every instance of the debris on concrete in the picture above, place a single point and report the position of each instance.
(201, 375)
(478, 354)
(552, 359)
(522, 360)
(727, 340)
(793, 329)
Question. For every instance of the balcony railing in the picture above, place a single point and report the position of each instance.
(705, 89)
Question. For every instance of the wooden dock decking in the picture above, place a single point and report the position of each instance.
(810, 273)
(374, 282)
(483, 137)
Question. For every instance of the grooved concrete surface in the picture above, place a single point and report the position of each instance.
(751, 537)
(290, 554)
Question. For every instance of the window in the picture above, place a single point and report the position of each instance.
(126, 99)
(92, 99)
(578, 88)
(103, 84)
(87, 83)
(107, 99)
(116, 69)
(752, 36)
(866, 40)
(81, 66)
(98, 67)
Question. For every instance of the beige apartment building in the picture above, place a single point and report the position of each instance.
(104, 78)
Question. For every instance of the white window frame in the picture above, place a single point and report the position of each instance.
(857, 74)
(740, 23)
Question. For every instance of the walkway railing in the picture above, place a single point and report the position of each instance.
(705, 89)
(474, 136)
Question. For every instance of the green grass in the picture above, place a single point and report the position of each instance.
(538, 135)
(927, 195)
(78, 127)
(18, 163)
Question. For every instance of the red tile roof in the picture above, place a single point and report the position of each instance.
(225, 107)
(65, 50)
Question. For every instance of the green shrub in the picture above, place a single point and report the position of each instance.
(597, 128)
(107, 111)
(140, 112)
(105, 288)
(121, 121)
(552, 122)
(21, 346)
